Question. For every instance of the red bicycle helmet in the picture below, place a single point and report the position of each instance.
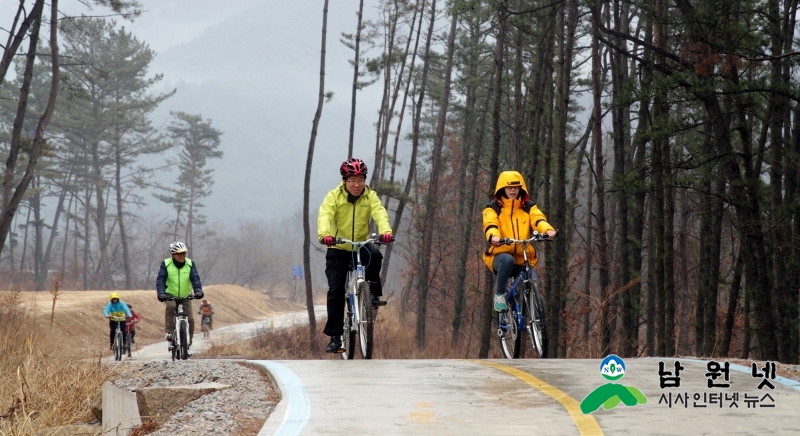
(353, 167)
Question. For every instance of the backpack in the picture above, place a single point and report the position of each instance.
(206, 310)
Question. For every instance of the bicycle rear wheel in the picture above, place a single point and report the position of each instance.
(536, 320)
(118, 346)
(508, 330)
(128, 344)
(366, 318)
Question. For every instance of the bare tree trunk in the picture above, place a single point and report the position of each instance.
(628, 338)
(388, 257)
(15, 39)
(412, 167)
(589, 255)
(355, 81)
(54, 227)
(10, 202)
(497, 94)
(387, 109)
(100, 214)
(312, 321)
(423, 283)
(558, 269)
(87, 237)
(25, 241)
(597, 139)
(39, 274)
(470, 149)
(126, 258)
(733, 299)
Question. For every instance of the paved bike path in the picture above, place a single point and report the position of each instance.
(228, 334)
(514, 397)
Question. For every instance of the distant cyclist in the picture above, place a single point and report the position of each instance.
(130, 323)
(511, 214)
(117, 312)
(345, 212)
(206, 310)
(178, 278)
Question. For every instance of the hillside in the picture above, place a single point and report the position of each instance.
(78, 316)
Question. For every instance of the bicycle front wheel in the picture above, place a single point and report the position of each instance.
(349, 336)
(508, 330)
(174, 346)
(536, 320)
(118, 346)
(365, 321)
(184, 337)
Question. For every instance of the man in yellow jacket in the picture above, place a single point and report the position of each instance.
(511, 214)
(345, 213)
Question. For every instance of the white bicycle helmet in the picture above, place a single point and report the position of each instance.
(177, 247)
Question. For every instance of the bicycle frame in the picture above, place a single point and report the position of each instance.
(354, 279)
(119, 341)
(181, 325)
(518, 311)
(358, 288)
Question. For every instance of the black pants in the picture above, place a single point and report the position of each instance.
(337, 264)
(112, 325)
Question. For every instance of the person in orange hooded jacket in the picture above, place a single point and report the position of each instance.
(511, 214)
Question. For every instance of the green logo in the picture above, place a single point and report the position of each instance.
(610, 395)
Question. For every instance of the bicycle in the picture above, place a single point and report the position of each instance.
(205, 326)
(530, 314)
(119, 342)
(360, 316)
(126, 343)
(179, 346)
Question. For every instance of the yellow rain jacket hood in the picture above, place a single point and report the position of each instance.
(514, 219)
(341, 219)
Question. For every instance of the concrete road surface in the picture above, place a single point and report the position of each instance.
(524, 397)
(227, 334)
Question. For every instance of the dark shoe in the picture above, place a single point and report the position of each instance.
(335, 346)
(376, 301)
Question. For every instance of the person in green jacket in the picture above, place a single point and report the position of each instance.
(345, 213)
(178, 277)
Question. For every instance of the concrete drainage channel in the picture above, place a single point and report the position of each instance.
(123, 410)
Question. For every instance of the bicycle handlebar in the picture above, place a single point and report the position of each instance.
(373, 238)
(174, 298)
(537, 237)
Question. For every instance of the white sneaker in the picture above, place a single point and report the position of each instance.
(168, 337)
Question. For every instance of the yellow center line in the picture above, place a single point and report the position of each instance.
(586, 424)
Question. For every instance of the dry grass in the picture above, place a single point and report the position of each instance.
(393, 339)
(40, 384)
(51, 344)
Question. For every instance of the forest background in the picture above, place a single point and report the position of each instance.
(661, 138)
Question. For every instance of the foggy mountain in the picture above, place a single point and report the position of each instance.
(255, 74)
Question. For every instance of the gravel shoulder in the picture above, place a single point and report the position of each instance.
(238, 410)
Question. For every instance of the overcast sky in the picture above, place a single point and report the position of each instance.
(252, 67)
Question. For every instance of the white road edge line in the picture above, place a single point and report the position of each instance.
(294, 401)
